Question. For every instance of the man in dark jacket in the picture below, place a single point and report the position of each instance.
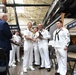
(5, 35)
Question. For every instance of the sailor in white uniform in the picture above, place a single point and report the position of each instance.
(12, 52)
(28, 49)
(43, 36)
(61, 40)
(35, 47)
(17, 47)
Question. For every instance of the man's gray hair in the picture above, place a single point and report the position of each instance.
(2, 14)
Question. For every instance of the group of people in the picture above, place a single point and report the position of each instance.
(36, 40)
(39, 42)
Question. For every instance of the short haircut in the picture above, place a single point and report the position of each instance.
(36, 28)
(29, 23)
(2, 14)
(60, 21)
(40, 24)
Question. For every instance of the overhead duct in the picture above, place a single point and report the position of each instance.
(65, 5)
(72, 8)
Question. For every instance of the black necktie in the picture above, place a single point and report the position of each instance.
(57, 34)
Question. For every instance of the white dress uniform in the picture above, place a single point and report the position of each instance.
(43, 48)
(36, 50)
(28, 51)
(17, 48)
(61, 40)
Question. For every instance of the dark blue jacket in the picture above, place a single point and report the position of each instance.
(5, 36)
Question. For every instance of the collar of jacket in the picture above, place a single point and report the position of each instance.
(29, 30)
(41, 30)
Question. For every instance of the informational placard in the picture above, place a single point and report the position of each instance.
(71, 25)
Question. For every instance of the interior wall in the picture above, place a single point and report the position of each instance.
(72, 31)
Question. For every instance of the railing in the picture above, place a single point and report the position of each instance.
(53, 22)
(50, 10)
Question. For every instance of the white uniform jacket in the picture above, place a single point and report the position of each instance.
(61, 37)
(45, 35)
(27, 42)
(17, 39)
(36, 42)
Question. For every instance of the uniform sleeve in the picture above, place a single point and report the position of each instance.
(67, 37)
(37, 34)
(25, 33)
(13, 38)
(19, 41)
(47, 35)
